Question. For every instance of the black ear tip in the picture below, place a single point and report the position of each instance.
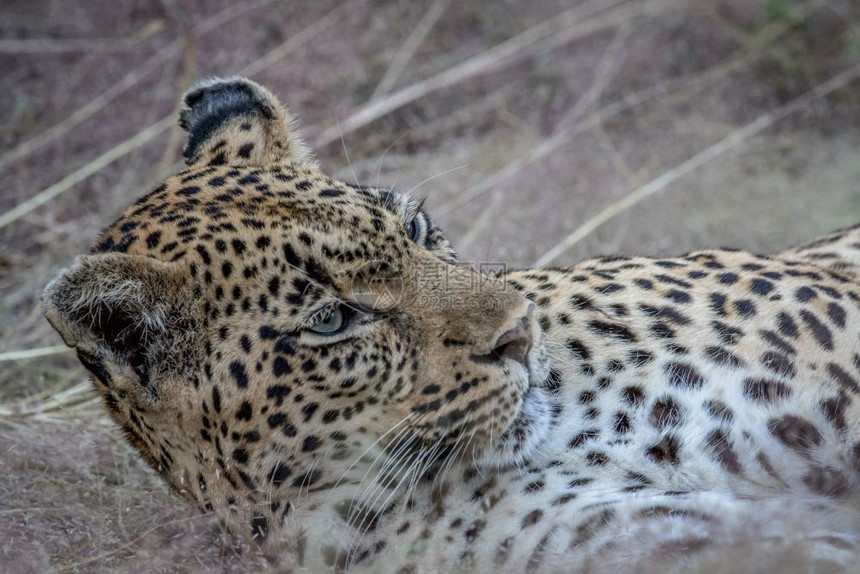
(215, 96)
(209, 103)
(217, 88)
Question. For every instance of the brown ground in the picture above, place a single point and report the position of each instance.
(541, 134)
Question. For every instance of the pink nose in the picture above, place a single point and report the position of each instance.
(516, 343)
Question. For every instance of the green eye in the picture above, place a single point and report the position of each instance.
(330, 323)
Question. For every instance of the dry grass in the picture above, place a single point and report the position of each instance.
(553, 111)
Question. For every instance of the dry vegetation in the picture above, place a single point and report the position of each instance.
(508, 116)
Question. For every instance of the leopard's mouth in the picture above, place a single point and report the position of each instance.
(504, 441)
(533, 420)
(528, 429)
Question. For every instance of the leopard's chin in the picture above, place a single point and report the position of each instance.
(529, 429)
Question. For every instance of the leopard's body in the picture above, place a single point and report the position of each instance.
(278, 345)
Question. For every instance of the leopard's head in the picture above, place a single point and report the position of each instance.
(257, 328)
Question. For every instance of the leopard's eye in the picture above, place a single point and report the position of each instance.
(330, 323)
(414, 229)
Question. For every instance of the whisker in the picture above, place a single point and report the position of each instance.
(368, 510)
(416, 462)
(381, 159)
(346, 153)
(356, 505)
(368, 449)
(352, 465)
(452, 458)
(429, 460)
(401, 447)
(429, 179)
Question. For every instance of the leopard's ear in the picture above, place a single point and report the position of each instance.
(234, 121)
(122, 313)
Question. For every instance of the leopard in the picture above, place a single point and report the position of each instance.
(308, 360)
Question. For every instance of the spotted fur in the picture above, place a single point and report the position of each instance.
(625, 414)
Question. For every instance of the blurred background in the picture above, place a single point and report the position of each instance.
(543, 131)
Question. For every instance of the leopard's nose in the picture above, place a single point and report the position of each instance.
(515, 343)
